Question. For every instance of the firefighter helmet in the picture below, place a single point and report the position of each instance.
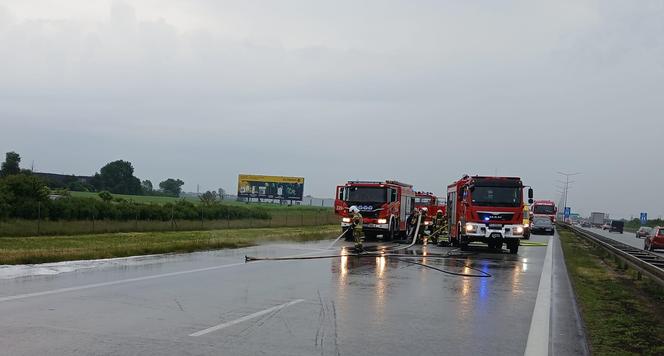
(353, 210)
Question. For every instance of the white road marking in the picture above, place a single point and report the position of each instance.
(245, 318)
(112, 283)
(538, 336)
(123, 281)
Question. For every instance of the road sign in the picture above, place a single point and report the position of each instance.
(567, 213)
(644, 218)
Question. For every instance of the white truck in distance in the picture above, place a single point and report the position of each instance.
(597, 219)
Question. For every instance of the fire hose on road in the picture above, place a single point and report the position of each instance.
(385, 253)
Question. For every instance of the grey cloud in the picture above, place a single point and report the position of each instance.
(425, 93)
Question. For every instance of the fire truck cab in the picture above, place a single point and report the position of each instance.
(488, 210)
(544, 208)
(385, 206)
(429, 203)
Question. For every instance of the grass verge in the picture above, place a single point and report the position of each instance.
(23, 227)
(622, 314)
(41, 249)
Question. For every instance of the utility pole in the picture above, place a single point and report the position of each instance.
(566, 189)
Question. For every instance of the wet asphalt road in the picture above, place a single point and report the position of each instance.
(213, 303)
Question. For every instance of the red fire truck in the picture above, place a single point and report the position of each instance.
(488, 210)
(544, 208)
(384, 206)
(430, 203)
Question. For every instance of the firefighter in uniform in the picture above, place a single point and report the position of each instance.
(412, 222)
(356, 226)
(423, 226)
(440, 226)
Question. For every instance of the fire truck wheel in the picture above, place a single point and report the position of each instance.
(514, 247)
(392, 233)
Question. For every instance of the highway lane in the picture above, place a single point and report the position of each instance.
(214, 303)
(627, 238)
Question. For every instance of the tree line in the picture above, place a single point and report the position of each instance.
(636, 223)
(116, 177)
(26, 196)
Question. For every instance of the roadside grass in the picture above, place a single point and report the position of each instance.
(42, 249)
(622, 314)
(278, 218)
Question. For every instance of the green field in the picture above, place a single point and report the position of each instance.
(41, 249)
(623, 315)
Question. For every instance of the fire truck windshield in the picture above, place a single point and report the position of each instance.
(366, 195)
(497, 196)
(423, 201)
(544, 209)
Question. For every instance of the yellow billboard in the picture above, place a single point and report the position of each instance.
(270, 187)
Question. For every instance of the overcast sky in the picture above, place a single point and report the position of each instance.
(420, 91)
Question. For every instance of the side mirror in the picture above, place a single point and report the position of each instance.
(530, 194)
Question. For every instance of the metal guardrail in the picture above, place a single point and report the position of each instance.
(648, 263)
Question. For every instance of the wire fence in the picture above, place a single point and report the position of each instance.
(24, 227)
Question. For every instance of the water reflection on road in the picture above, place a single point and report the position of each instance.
(385, 284)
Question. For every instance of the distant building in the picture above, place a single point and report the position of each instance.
(62, 179)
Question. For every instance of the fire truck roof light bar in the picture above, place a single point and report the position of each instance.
(398, 183)
(394, 182)
(506, 178)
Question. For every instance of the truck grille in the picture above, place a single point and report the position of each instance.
(369, 214)
(495, 216)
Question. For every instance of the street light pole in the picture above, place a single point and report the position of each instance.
(567, 182)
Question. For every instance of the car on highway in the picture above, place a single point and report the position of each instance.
(642, 232)
(542, 224)
(617, 226)
(606, 226)
(655, 239)
(586, 224)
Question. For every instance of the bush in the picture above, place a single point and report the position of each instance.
(24, 196)
(73, 208)
(636, 223)
(105, 196)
